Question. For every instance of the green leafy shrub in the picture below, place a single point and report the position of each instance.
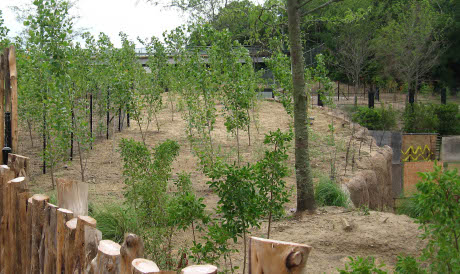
(270, 172)
(422, 118)
(360, 265)
(449, 119)
(159, 214)
(383, 118)
(408, 265)
(329, 193)
(438, 197)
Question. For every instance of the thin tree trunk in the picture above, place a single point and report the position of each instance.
(249, 127)
(238, 145)
(29, 124)
(305, 193)
(82, 167)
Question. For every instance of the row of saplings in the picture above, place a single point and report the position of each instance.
(247, 195)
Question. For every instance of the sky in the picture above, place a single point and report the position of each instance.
(134, 17)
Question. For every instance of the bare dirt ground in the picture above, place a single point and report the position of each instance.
(380, 234)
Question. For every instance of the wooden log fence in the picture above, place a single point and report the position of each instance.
(39, 237)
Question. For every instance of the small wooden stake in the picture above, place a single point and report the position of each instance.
(276, 257)
(132, 248)
(143, 266)
(63, 216)
(39, 202)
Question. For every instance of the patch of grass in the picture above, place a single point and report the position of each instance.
(409, 207)
(115, 220)
(329, 193)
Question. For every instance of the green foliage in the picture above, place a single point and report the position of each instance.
(329, 193)
(146, 177)
(408, 265)
(270, 172)
(409, 207)
(159, 213)
(438, 197)
(364, 210)
(360, 265)
(448, 116)
(115, 220)
(383, 118)
(420, 117)
(443, 119)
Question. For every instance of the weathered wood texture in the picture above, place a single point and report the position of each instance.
(200, 269)
(63, 216)
(2, 109)
(39, 202)
(13, 98)
(72, 195)
(132, 248)
(143, 266)
(5, 176)
(69, 246)
(80, 244)
(276, 257)
(19, 165)
(108, 258)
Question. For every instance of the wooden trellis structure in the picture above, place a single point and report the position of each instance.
(9, 101)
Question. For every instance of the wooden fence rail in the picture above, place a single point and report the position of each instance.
(39, 237)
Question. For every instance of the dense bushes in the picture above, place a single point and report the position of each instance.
(423, 118)
(383, 118)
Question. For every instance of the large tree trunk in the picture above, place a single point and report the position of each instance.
(305, 194)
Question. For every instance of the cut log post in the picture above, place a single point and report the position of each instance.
(28, 238)
(143, 266)
(62, 217)
(69, 246)
(80, 248)
(14, 99)
(50, 239)
(72, 195)
(92, 238)
(5, 176)
(19, 165)
(132, 248)
(276, 257)
(14, 188)
(39, 202)
(2, 112)
(24, 231)
(200, 269)
(108, 258)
